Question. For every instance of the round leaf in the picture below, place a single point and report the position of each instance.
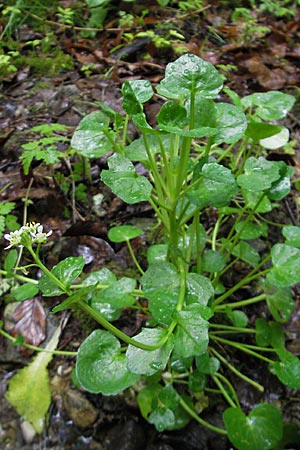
(262, 429)
(212, 261)
(124, 233)
(188, 74)
(101, 367)
(288, 371)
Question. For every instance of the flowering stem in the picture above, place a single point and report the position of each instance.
(47, 272)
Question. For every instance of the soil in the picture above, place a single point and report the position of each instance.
(76, 419)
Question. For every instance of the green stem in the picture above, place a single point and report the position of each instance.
(236, 371)
(47, 272)
(216, 377)
(134, 257)
(18, 277)
(108, 326)
(195, 416)
(230, 328)
(233, 305)
(38, 349)
(242, 348)
(250, 277)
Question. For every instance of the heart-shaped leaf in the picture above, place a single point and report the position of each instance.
(286, 265)
(288, 370)
(149, 362)
(142, 89)
(272, 105)
(261, 429)
(101, 366)
(259, 174)
(191, 335)
(216, 186)
(124, 181)
(89, 139)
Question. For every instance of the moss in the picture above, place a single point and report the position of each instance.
(46, 65)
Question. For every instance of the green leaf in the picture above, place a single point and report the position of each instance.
(100, 365)
(251, 230)
(162, 305)
(229, 121)
(161, 287)
(29, 390)
(10, 261)
(66, 271)
(6, 208)
(124, 181)
(124, 233)
(190, 74)
(238, 318)
(131, 104)
(89, 139)
(206, 364)
(160, 276)
(198, 289)
(261, 130)
(292, 235)
(25, 291)
(263, 333)
(136, 150)
(167, 413)
(281, 187)
(272, 105)
(261, 429)
(288, 370)
(172, 114)
(280, 302)
(191, 335)
(149, 362)
(115, 295)
(259, 174)
(160, 406)
(81, 294)
(244, 251)
(212, 261)
(102, 277)
(286, 265)
(215, 188)
(157, 252)
(142, 90)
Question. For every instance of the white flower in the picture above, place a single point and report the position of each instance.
(14, 238)
(31, 233)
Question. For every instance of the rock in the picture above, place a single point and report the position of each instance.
(79, 409)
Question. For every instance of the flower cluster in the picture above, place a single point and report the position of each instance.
(31, 233)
